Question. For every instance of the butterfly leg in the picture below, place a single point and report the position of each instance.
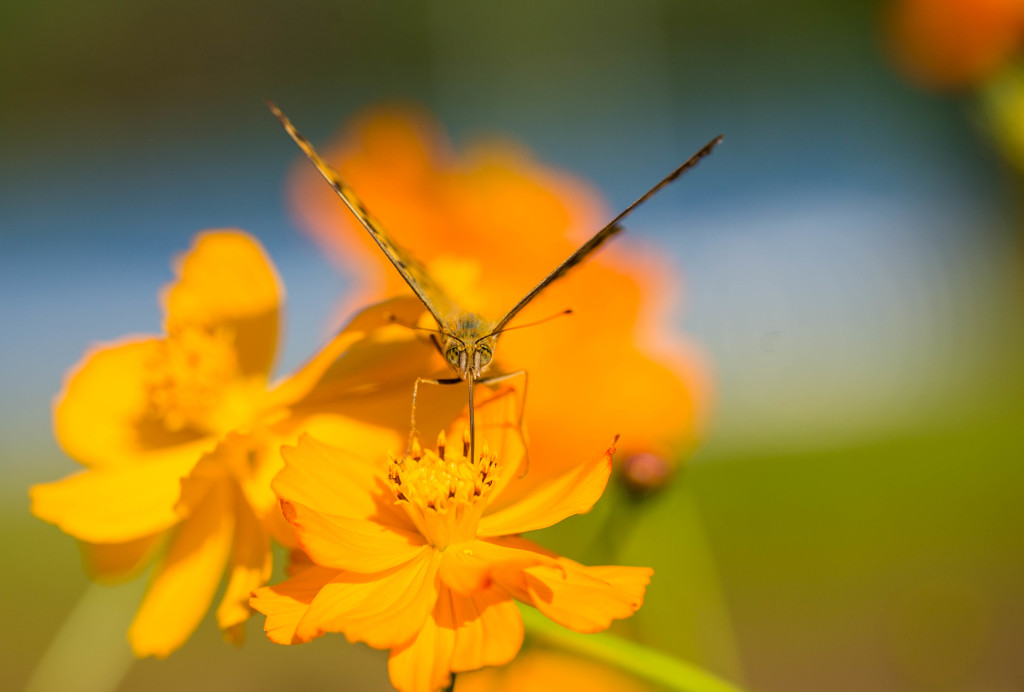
(415, 394)
(518, 374)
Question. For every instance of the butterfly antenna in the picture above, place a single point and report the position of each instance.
(563, 313)
(394, 319)
(605, 233)
(683, 167)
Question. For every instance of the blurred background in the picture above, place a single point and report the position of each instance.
(851, 257)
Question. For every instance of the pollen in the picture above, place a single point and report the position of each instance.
(444, 493)
(188, 378)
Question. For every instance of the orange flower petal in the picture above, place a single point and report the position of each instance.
(227, 280)
(572, 493)
(585, 599)
(546, 670)
(333, 481)
(183, 585)
(250, 568)
(115, 505)
(953, 43)
(627, 374)
(463, 633)
(468, 567)
(489, 629)
(371, 349)
(424, 664)
(372, 381)
(284, 604)
(262, 459)
(351, 544)
(116, 561)
(383, 609)
(100, 418)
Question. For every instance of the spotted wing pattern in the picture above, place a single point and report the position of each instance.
(443, 308)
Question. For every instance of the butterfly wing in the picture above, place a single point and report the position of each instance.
(604, 234)
(415, 274)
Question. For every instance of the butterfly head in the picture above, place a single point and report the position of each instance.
(469, 347)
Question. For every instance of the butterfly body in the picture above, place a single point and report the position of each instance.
(467, 344)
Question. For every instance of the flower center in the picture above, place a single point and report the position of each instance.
(188, 380)
(443, 494)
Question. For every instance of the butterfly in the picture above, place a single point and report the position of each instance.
(465, 340)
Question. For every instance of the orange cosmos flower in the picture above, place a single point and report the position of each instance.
(180, 435)
(954, 43)
(489, 225)
(419, 558)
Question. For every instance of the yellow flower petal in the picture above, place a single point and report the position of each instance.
(572, 493)
(117, 504)
(186, 580)
(101, 418)
(330, 480)
(284, 604)
(116, 561)
(250, 568)
(211, 472)
(384, 609)
(351, 544)
(227, 280)
(263, 462)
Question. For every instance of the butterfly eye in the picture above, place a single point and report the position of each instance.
(452, 355)
(485, 355)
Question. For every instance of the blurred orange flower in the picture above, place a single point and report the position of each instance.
(180, 435)
(954, 43)
(489, 225)
(539, 670)
(420, 560)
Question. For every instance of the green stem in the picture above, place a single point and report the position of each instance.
(90, 652)
(651, 665)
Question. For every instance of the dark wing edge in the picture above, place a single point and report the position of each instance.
(605, 233)
(414, 273)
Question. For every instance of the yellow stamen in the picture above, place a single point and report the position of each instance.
(443, 496)
(188, 379)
